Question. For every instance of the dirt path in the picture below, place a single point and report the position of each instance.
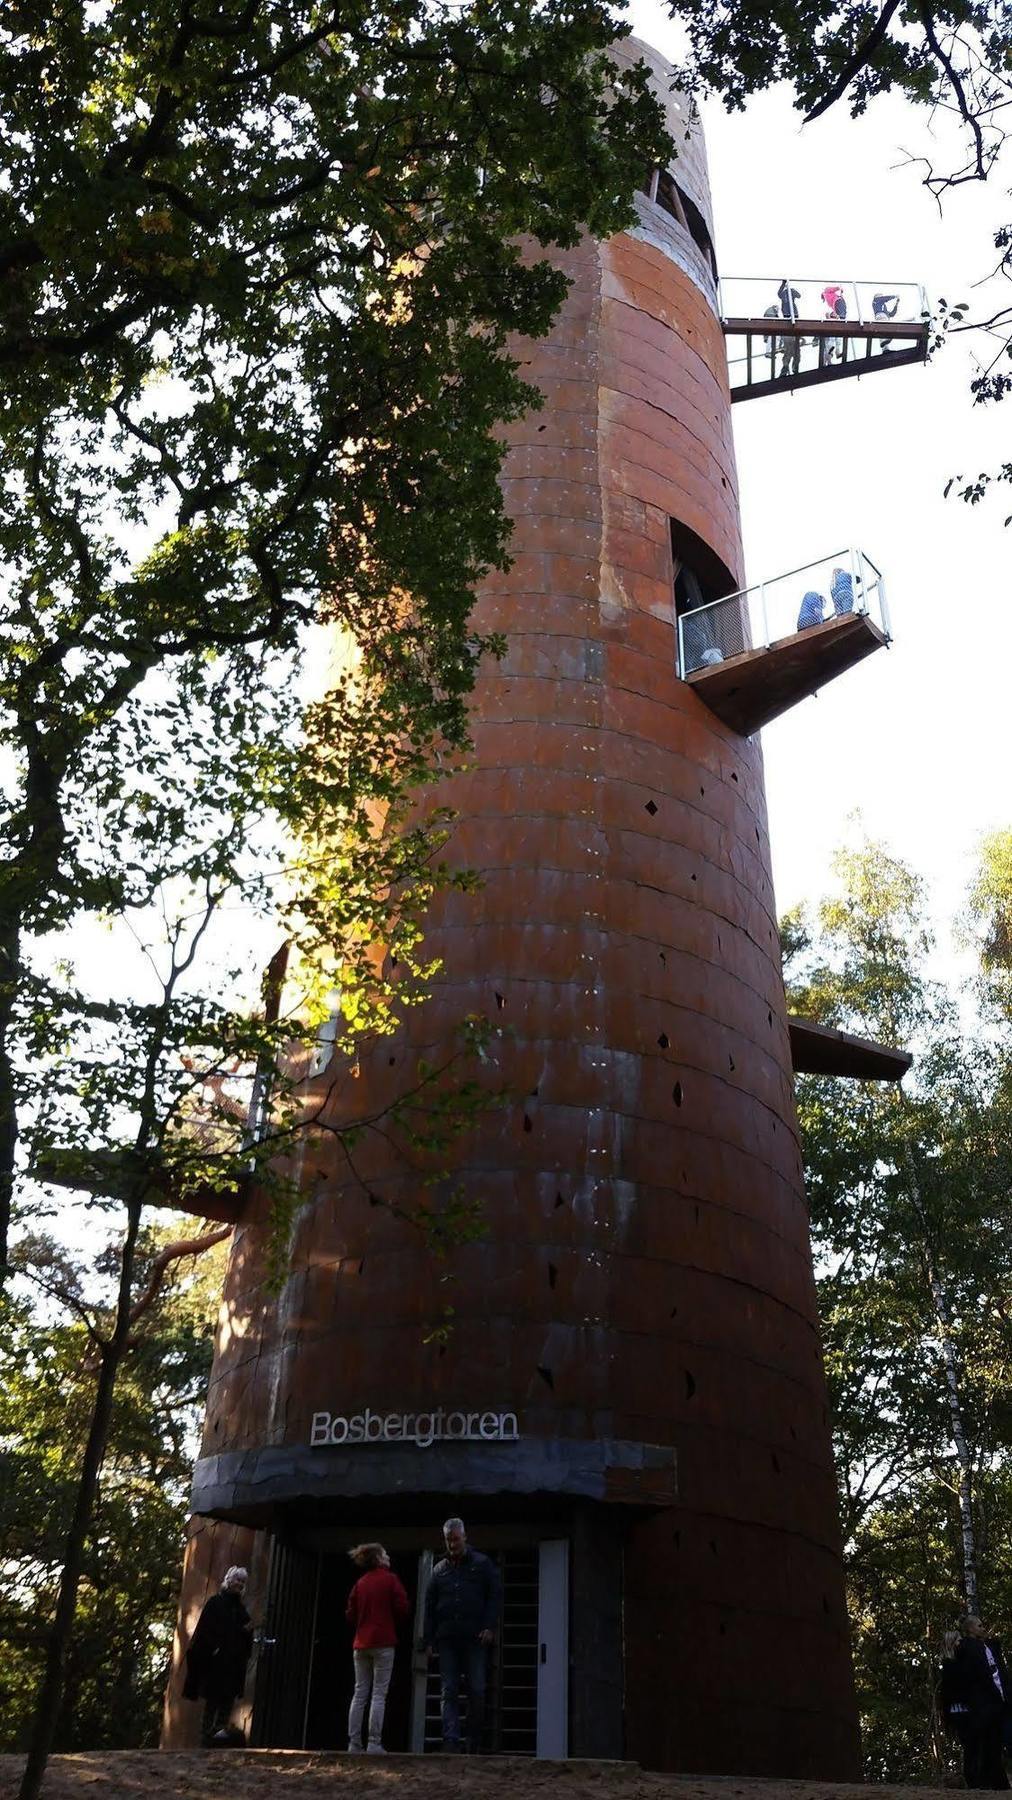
(299, 1775)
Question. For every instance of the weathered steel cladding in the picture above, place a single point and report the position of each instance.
(645, 1276)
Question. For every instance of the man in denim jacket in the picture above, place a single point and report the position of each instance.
(461, 1613)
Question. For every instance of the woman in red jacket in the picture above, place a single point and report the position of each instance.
(376, 1605)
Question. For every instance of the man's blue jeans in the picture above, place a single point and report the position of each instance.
(462, 1656)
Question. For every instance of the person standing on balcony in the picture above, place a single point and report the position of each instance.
(376, 1606)
(461, 1613)
(812, 607)
(841, 589)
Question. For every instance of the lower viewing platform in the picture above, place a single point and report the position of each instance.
(822, 1050)
(754, 654)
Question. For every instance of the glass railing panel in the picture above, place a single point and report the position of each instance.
(760, 616)
(876, 303)
(881, 303)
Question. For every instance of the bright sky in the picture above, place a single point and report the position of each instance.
(915, 737)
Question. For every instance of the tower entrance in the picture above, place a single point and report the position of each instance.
(304, 1672)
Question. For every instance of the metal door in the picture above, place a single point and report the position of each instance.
(553, 1648)
(419, 1661)
(285, 1656)
(528, 1672)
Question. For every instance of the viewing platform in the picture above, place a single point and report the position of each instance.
(792, 332)
(754, 654)
(822, 1050)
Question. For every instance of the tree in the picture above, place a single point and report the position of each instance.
(911, 1230)
(953, 57)
(128, 1596)
(259, 270)
(180, 1091)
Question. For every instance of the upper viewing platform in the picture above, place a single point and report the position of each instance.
(825, 330)
(753, 654)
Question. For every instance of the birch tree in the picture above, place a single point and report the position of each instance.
(913, 1237)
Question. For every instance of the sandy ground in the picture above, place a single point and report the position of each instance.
(300, 1775)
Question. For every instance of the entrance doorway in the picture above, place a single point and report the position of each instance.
(304, 1675)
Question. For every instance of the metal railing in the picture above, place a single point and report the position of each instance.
(757, 617)
(870, 315)
(870, 303)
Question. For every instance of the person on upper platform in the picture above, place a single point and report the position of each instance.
(836, 308)
(789, 298)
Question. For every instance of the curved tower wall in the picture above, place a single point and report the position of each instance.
(642, 1297)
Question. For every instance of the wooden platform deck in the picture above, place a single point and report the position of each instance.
(865, 351)
(820, 1050)
(750, 690)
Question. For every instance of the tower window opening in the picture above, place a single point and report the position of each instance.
(705, 631)
(666, 193)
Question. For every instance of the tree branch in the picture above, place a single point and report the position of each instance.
(863, 54)
(164, 1260)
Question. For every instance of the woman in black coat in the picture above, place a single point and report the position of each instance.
(217, 1657)
(974, 1697)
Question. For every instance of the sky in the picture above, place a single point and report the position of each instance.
(914, 738)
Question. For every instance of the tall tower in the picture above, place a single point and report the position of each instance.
(629, 1409)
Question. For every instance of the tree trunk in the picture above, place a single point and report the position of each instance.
(10, 965)
(940, 1304)
(48, 1705)
(959, 1441)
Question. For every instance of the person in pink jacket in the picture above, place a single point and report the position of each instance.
(377, 1605)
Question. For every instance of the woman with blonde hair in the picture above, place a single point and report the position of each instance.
(376, 1606)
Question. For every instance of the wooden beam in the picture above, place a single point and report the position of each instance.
(819, 1050)
(750, 690)
(829, 328)
(117, 1176)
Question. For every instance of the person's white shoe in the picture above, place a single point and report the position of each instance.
(375, 1750)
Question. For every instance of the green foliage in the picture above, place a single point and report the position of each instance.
(260, 270)
(260, 273)
(909, 1194)
(959, 48)
(129, 1590)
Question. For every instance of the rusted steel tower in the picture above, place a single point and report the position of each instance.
(630, 1409)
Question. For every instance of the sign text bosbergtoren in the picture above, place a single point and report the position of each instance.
(423, 1428)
